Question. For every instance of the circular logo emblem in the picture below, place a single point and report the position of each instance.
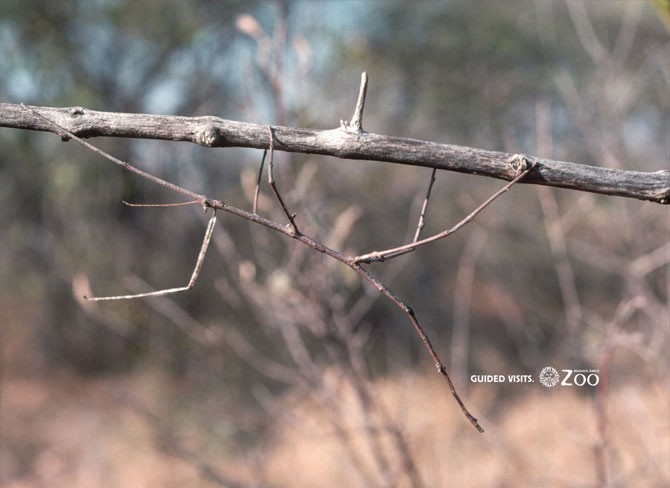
(549, 377)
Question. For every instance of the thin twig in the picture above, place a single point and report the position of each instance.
(271, 181)
(464, 288)
(554, 226)
(258, 181)
(397, 251)
(421, 222)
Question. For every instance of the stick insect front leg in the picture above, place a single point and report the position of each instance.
(196, 271)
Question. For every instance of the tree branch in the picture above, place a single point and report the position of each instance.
(216, 132)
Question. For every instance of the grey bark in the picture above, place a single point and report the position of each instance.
(212, 131)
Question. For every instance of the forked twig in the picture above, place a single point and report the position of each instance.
(194, 276)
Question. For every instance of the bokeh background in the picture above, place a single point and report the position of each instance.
(280, 368)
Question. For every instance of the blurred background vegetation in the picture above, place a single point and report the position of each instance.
(279, 368)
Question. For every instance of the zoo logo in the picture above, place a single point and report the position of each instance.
(549, 377)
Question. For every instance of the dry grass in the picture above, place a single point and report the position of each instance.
(546, 438)
(67, 431)
(62, 430)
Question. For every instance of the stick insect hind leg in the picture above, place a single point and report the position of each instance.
(196, 270)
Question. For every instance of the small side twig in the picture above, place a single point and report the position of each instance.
(356, 124)
(258, 181)
(421, 222)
